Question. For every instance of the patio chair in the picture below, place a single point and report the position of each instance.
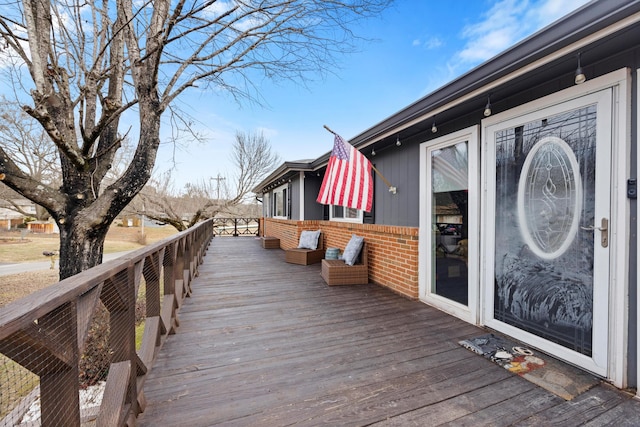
(337, 272)
(310, 249)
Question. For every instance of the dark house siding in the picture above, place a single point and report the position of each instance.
(312, 209)
(401, 167)
(294, 196)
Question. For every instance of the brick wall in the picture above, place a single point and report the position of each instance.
(392, 250)
(283, 229)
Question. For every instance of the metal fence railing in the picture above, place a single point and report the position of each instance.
(78, 351)
(236, 227)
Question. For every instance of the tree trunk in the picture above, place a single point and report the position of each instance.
(80, 247)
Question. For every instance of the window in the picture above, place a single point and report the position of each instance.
(280, 202)
(341, 213)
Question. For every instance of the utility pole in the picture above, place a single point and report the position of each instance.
(218, 179)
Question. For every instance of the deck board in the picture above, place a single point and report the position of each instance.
(265, 343)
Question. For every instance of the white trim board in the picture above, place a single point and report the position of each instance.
(637, 239)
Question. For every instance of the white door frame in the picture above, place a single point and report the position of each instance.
(468, 313)
(637, 241)
(612, 363)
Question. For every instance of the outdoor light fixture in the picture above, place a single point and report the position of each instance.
(434, 129)
(580, 77)
(487, 108)
(398, 143)
(373, 151)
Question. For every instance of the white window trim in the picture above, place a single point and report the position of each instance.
(284, 201)
(358, 220)
(301, 194)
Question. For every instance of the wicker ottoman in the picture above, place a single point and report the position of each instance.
(303, 256)
(270, 242)
(336, 272)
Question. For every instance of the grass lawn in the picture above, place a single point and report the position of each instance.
(14, 248)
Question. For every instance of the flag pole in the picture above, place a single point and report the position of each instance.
(392, 189)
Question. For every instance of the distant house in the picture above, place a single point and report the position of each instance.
(131, 220)
(10, 218)
(45, 227)
(516, 193)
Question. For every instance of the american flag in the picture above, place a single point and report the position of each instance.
(347, 181)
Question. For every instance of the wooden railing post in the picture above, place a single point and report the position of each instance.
(169, 264)
(152, 283)
(120, 299)
(169, 302)
(178, 273)
(59, 398)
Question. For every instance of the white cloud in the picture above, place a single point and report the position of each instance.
(269, 133)
(219, 8)
(9, 58)
(501, 27)
(506, 23)
(549, 11)
(431, 43)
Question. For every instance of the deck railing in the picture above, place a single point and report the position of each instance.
(98, 330)
(236, 227)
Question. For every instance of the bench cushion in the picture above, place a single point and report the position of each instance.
(309, 239)
(352, 250)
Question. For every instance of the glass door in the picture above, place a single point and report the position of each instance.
(549, 228)
(449, 224)
(449, 221)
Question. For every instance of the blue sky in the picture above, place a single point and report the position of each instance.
(416, 47)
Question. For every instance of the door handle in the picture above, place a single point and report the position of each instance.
(604, 231)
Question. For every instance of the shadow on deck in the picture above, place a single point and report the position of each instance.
(266, 343)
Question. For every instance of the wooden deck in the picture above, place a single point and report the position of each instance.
(266, 343)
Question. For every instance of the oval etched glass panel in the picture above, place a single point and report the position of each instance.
(549, 198)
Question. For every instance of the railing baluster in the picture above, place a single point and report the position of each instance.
(230, 226)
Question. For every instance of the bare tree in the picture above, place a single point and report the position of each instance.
(253, 159)
(89, 63)
(28, 144)
(25, 141)
(13, 201)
